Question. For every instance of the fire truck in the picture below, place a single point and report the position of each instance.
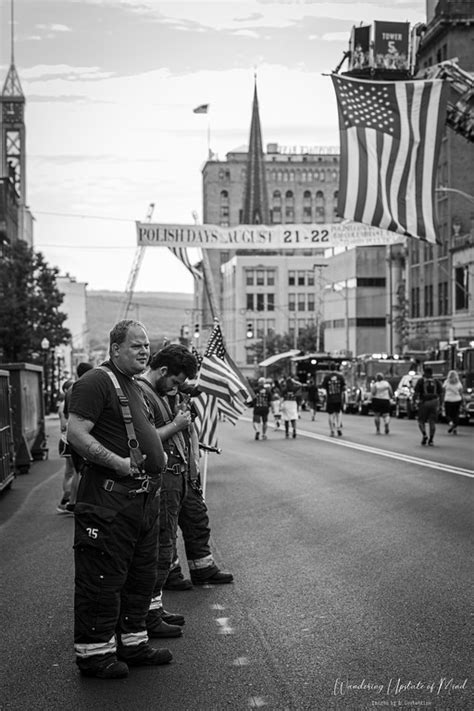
(460, 358)
(360, 373)
(316, 366)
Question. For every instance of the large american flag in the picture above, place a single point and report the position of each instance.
(218, 375)
(390, 135)
(183, 256)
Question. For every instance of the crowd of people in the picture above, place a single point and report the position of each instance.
(284, 399)
(132, 479)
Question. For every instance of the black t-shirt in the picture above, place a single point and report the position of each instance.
(94, 398)
(334, 384)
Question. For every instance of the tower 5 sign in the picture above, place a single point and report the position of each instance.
(347, 234)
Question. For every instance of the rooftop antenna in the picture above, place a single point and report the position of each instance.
(12, 33)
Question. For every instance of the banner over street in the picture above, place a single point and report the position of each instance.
(266, 237)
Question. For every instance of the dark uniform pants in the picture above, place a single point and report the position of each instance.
(194, 523)
(115, 551)
(173, 492)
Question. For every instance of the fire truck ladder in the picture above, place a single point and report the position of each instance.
(134, 271)
(460, 115)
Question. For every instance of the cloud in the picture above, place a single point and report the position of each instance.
(46, 72)
(54, 28)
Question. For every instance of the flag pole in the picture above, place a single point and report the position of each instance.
(204, 474)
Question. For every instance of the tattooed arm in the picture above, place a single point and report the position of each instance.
(79, 436)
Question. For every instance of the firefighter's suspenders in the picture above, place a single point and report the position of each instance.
(136, 456)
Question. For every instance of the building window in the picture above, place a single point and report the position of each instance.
(271, 302)
(270, 325)
(310, 302)
(376, 322)
(301, 278)
(291, 278)
(289, 207)
(250, 302)
(260, 328)
(301, 302)
(307, 211)
(461, 287)
(260, 277)
(249, 277)
(224, 209)
(443, 298)
(276, 207)
(270, 277)
(310, 278)
(429, 300)
(260, 302)
(291, 302)
(371, 281)
(319, 207)
(415, 302)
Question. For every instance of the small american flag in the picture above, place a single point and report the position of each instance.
(206, 419)
(390, 136)
(218, 374)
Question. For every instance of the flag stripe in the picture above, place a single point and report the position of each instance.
(206, 420)
(182, 254)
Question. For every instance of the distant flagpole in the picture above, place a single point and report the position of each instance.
(204, 109)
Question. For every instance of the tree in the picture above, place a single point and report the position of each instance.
(29, 304)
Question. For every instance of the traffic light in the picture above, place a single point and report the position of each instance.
(250, 330)
(196, 330)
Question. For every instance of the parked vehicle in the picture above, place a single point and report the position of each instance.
(405, 404)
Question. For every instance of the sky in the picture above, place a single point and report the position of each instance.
(110, 88)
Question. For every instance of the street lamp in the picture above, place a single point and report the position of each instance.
(45, 348)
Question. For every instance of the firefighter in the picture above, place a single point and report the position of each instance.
(116, 513)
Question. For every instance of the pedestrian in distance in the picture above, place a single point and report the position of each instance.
(116, 513)
(275, 404)
(453, 390)
(428, 394)
(289, 406)
(65, 452)
(313, 397)
(73, 461)
(382, 395)
(334, 385)
(261, 407)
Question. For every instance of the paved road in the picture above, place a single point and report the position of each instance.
(351, 559)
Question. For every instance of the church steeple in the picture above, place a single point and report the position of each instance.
(13, 139)
(255, 209)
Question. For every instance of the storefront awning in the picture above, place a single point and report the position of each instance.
(277, 357)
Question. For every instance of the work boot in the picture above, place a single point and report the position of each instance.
(219, 578)
(172, 618)
(103, 666)
(157, 628)
(177, 582)
(143, 655)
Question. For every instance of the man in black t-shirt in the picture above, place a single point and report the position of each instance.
(116, 512)
(428, 392)
(334, 384)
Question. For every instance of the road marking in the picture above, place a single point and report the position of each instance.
(460, 471)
